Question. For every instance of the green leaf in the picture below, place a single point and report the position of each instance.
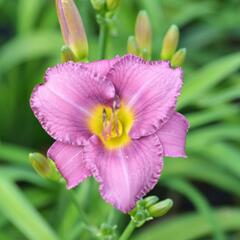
(29, 47)
(40, 197)
(205, 136)
(199, 201)
(5, 236)
(14, 154)
(218, 97)
(191, 226)
(225, 155)
(28, 13)
(199, 118)
(207, 77)
(20, 212)
(201, 170)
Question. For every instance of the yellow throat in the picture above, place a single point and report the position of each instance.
(111, 125)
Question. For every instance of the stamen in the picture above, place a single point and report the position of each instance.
(104, 118)
(115, 107)
(111, 128)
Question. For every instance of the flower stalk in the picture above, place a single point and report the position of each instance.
(103, 39)
(128, 231)
(82, 214)
(105, 15)
(145, 210)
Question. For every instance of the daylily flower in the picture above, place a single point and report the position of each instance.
(114, 120)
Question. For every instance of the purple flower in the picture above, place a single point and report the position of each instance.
(114, 120)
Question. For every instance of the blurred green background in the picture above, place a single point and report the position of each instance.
(205, 187)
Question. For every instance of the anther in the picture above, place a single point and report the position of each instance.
(104, 117)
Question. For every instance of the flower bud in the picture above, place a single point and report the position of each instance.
(112, 4)
(41, 164)
(140, 217)
(67, 54)
(72, 28)
(143, 32)
(44, 167)
(170, 43)
(149, 201)
(179, 58)
(132, 46)
(98, 4)
(107, 231)
(145, 54)
(160, 208)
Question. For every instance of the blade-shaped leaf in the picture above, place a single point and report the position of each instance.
(20, 212)
(205, 78)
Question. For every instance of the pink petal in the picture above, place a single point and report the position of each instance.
(102, 66)
(64, 102)
(173, 136)
(150, 89)
(125, 174)
(69, 161)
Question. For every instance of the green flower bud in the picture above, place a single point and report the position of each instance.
(132, 46)
(179, 58)
(170, 43)
(160, 208)
(143, 32)
(41, 164)
(44, 166)
(72, 28)
(149, 201)
(112, 4)
(67, 54)
(144, 54)
(140, 217)
(98, 4)
(107, 231)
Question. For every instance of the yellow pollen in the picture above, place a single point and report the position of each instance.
(111, 125)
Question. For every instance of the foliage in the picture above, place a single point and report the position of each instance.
(204, 183)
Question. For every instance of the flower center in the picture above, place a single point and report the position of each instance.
(112, 124)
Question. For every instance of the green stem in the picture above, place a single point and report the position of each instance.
(79, 209)
(84, 218)
(103, 40)
(128, 231)
(111, 216)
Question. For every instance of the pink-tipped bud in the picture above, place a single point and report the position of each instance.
(143, 33)
(72, 28)
(132, 46)
(170, 43)
(179, 58)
